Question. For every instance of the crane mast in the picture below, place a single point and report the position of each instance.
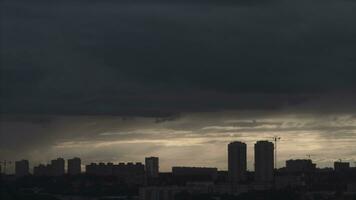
(275, 139)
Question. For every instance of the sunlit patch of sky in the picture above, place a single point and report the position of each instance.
(192, 139)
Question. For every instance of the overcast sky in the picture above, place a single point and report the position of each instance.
(117, 80)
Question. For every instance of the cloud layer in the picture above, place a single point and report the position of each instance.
(162, 58)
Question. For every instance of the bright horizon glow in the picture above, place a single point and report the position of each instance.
(192, 140)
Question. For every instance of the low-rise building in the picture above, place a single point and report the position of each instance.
(195, 171)
(300, 165)
(341, 166)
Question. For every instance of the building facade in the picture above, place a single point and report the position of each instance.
(152, 167)
(300, 165)
(74, 166)
(341, 166)
(264, 159)
(22, 168)
(57, 167)
(237, 162)
(42, 170)
(207, 172)
(128, 172)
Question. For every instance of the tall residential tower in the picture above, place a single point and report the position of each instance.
(237, 162)
(57, 167)
(74, 166)
(264, 158)
(152, 167)
(22, 168)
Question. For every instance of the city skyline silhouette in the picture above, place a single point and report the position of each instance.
(167, 99)
(233, 155)
(324, 139)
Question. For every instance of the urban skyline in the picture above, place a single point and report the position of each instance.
(264, 152)
(178, 99)
(176, 78)
(144, 181)
(113, 139)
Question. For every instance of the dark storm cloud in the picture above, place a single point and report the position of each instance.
(155, 58)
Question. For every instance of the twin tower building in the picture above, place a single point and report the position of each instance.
(237, 162)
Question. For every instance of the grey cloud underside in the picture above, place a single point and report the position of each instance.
(151, 58)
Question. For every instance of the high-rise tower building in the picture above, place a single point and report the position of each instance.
(264, 158)
(237, 162)
(57, 167)
(152, 167)
(22, 168)
(74, 166)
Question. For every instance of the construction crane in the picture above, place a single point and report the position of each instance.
(4, 164)
(275, 139)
